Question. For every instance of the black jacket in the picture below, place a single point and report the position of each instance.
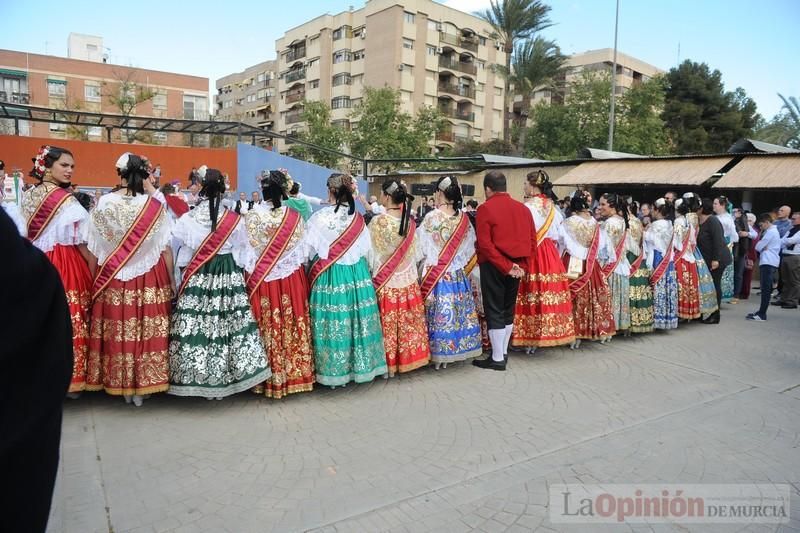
(741, 248)
(711, 242)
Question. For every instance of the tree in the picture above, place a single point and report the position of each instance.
(639, 128)
(700, 115)
(321, 132)
(535, 65)
(125, 94)
(784, 128)
(383, 130)
(473, 147)
(512, 22)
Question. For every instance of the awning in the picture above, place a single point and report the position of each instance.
(692, 171)
(51, 80)
(16, 73)
(773, 171)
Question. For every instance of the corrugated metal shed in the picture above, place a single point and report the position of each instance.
(693, 171)
(774, 171)
(750, 145)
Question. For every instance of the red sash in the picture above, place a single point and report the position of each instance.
(338, 248)
(446, 256)
(130, 243)
(609, 268)
(638, 262)
(684, 244)
(661, 269)
(274, 250)
(210, 246)
(388, 268)
(46, 211)
(178, 205)
(591, 258)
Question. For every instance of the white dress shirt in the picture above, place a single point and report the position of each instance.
(769, 246)
(791, 245)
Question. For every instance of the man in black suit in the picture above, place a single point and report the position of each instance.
(242, 201)
(711, 242)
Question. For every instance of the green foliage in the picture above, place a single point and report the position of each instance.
(320, 132)
(125, 94)
(700, 115)
(473, 147)
(784, 128)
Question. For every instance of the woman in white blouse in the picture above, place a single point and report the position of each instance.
(659, 246)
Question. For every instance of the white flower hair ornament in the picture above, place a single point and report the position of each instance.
(678, 202)
(660, 202)
(392, 188)
(202, 172)
(445, 184)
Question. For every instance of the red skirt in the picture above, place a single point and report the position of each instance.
(280, 308)
(405, 329)
(543, 314)
(591, 307)
(77, 283)
(130, 333)
(688, 290)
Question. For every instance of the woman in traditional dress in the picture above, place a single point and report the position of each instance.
(586, 243)
(641, 291)
(705, 283)
(278, 288)
(543, 314)
(56, 225)
(448, 248)
(722, 209)
(617, 269)
(659, 247)
(684, 241)
(129, 235)
(393, 262)
(345, 321)
(215, 349)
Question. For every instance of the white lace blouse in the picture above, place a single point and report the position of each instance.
(193, 227)
(325, 226)
(110, 221)
(435, 230)
(262, 222)
(728, 227)
(680, 227)
(539, 207)
(657, 237)
(15, 214)
(384, 232)
(578, 232)
(68, 226)
(615, 228)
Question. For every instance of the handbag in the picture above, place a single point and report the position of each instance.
(574, 268)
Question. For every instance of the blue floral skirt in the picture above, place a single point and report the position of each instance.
(665, 297)
(453, 329)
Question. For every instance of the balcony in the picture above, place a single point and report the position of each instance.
(446, 136)
(458, 90)
(294, 117)
(294, 75)
(295, 97)
(16, 98)
(295, 53)
(467, 43)
(461, 66)
(457, 114)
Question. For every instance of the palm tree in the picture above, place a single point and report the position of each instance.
(513, 21)
(792, 107)
(784, 128)
(536, 64)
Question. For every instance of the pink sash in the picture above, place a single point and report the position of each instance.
(661, 269)
(609, 268)
(338, 248)
(446, 256)
(210, 246)
(388, 268)
(46, 211)
(591, 258)
(274, 250)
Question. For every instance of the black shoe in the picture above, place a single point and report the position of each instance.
(489, 363)
(776, 302)
(713, 318)
(784, 306)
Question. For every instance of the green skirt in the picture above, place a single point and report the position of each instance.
(641, 298)
(215, 348)
(346, 326)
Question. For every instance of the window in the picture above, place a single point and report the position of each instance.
(408, 44)
(312, 62)
(314, 84)
(498, 91)
(251, 98)
(482, 41)
(195, 107)
(481, 65)
(95, 131)
(344, 31)
(340, 102)
(56, 88)
(91, 47)
(430, 75)
(261, 77)
(160, 137)
(358, 55)
(433, 25)
(342, 79)
(160, 100)
(407, 69)
(262, 93)
(431, 50)
(92, 93)
(227, 105)
(342, 56)
(56, 127)
(357, 80)
(408, 17)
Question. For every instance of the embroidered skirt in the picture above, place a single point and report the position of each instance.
(665, 297)
(346, 326)
(620, 300)
(77, 281)
(641, 298)
(543, 314)
(280, 308)
(215, 349)
(688, 290)
(454, 333)
(705, 284)
(591, 307)
(130, 333)
(405, 333)
(727, 280)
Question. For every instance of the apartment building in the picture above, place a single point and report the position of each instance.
(73, 84)
(435, 55)
(249, 96)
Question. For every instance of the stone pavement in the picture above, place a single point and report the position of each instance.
(460, 449)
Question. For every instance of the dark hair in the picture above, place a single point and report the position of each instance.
(453, 191)
(578, 202)
(723, 201)
(273, 187)
(633, 206)
(618, 203)
(472, 203)
(84, 199)
(689, 204)
(399, 195)
(168, 188)
(340, 185)
(2, 165)
(541, 180)
(495, 181)
(764, 217)
(134, 174)
(706, 206)
(667, 210)
(295, 188)
(54, 153)
(213, 188)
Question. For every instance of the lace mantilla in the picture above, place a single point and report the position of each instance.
(434, 232)
(262, 222)
(325, 226)
(383, 230)
(68, 226)
(193, 227)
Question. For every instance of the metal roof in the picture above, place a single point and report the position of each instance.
(693, 171)
(750, 145)
(597, 153)
(510, 160)
(765, 171)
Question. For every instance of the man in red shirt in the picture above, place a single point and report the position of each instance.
(506, 236)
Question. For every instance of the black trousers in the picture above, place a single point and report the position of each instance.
(716, 275)
(499, 293)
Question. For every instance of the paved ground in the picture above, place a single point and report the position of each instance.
(455, 450)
